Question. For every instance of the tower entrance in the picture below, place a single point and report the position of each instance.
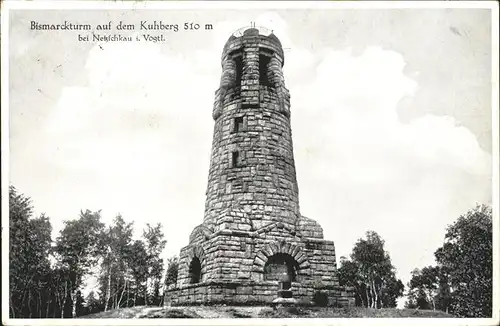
(280, 265)
(195, 271)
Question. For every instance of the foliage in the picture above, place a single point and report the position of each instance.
(29, 249)
(132, 270)
(80, 302)
(467, 259)
(393, 289)
(371, 273)
(46, 276)
(137, 261)
(155, 244)
(93, 304)
(461, 283)
(172, 271)
(78, 246)
(320, 299)
(115, 276)
(425, 286)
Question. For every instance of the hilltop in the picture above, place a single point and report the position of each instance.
(263, 312)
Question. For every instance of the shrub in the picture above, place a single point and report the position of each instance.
(304, 303)
(320, 299)
(238, 314)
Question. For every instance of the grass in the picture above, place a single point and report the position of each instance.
(264, 312)
(357, 312)
(235, 313)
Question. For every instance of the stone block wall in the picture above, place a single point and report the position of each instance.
(233, 261)
(252, 293)
(252, 121)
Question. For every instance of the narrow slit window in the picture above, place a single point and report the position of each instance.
(235, 159)
(238, 124)
(249, 106)
(238, 60)
(263, 67)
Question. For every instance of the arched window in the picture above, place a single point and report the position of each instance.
(195, 271)
(280, 265)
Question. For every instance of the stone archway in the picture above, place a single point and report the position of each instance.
(279, 265)
(282, 253)
(194, 261)
(194, 271)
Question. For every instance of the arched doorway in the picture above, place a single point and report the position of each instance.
(195, 271)
(280, 265)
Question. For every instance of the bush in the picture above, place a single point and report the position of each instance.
(320, 299)
(238, 314)
(180, 313)
(283, 312)
(305, 303)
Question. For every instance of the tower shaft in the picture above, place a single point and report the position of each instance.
(252, 165)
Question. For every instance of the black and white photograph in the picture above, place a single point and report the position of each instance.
(250, 162)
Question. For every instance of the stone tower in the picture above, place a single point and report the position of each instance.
(252, 232)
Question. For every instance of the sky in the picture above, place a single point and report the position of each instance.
(391, 119)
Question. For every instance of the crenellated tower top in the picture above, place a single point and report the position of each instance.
(266, 38)
(252, 59)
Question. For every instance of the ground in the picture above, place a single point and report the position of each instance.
(262, 312)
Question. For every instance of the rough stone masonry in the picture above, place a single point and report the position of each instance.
(253, 233)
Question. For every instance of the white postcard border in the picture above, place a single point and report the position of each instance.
(135, 5)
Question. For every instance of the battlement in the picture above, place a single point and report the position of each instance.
(252, 30)
(251, 37)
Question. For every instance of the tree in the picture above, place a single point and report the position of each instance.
(155, 244)
(426, 281)
(374, 265)
(57, 280)
(394, 289)
(79, 246)
(137, 260)
(417, 299)
(371, 273)
(29, 249)
(467, 258)
(443, 297)
(170, 275)
(93, 304)
(46, 276)
(172, 271)
(80, 304)
(348, 275)
(115, 272)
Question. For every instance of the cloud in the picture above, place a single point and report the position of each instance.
(139, 132)
(360, 168)
(136, 138)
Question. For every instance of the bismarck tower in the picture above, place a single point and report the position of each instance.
(252, 232)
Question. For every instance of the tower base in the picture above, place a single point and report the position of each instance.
(250, 294)
(238, 266)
